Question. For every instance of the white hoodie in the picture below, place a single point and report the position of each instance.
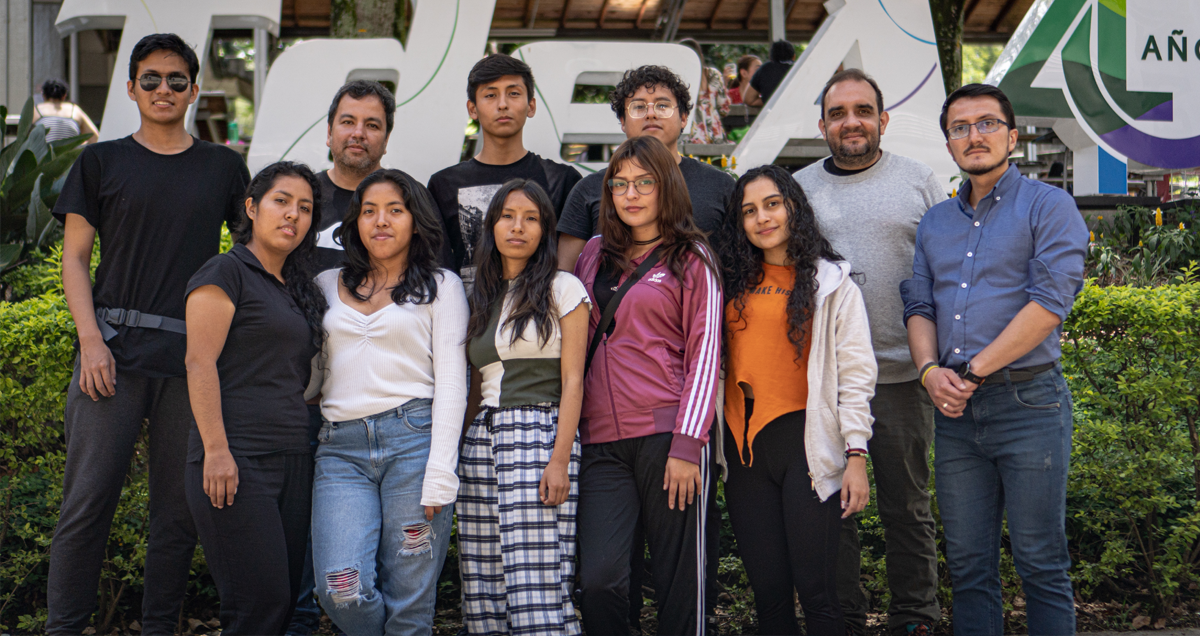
(841, 378)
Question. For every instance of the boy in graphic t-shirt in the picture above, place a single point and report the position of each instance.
(157, 199)
(500, 97)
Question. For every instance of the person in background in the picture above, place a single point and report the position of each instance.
(649, 394)
(651, 101)
(995, 273)
(158, 196)
(361, 118)
(712, 103)
(254, 324)
(393, 377)
(61, 118)
(769, 76)
(520, 462)
(799, 374)
(747, 65)
(868, 203)
(500, 96)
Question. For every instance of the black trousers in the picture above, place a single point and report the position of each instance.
(787, 537)
(100, 438)
(619, 481)
(255, 548)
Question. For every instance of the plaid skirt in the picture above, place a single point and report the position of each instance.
(517, 555)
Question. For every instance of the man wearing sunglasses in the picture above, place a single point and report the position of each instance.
(157, 199)
(995, 273)
(653, 101)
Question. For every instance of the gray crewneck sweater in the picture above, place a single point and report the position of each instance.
(871, 219)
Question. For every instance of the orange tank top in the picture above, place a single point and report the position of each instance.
(762, 362)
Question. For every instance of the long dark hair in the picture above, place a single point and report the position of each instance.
(301, 264)
(419, 282)
(680, 236)
(741, 261)
(533, 289)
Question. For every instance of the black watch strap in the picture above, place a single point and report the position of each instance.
(964, 372)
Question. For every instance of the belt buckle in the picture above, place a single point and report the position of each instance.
(132, 317)
(115, 316)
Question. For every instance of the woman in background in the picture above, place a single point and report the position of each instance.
(61, 118)
(746, 66)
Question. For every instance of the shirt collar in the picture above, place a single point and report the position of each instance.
(1007, 182)
(243, 254)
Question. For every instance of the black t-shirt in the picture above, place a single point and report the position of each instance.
(708, 187)
(334, 203)
(833, 169)
(159, 219)
(768, 77)
(463, 193)
(265, 363)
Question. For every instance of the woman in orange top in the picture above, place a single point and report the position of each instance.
(800, 373)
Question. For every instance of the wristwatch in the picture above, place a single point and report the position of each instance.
(964, 372)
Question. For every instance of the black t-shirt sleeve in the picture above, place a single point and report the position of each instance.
(80, 191)
(239, 178)
(445, 196)
(576, 219)
(756, 80)
(221, 270)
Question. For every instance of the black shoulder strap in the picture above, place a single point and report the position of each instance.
(611, 309)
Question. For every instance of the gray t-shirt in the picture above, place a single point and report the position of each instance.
(871, 219)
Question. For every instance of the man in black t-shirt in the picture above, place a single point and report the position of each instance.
(157, 199)
(663, 102)
(361, 118)
(500, 97)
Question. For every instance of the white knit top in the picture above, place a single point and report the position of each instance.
(375, 363)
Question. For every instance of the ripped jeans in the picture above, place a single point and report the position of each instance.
(375, 559)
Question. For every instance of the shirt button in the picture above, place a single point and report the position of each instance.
(956, 350)
(997, 198)
(964, 285)
(977, 224)
(970, 254)
(957, 316)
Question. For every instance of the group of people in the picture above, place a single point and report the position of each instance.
(568, 363)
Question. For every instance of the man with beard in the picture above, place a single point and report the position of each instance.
(868, 203)
(995, 272)
(500, 96)
(361, 119)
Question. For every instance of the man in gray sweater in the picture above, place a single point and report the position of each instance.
(868, 203)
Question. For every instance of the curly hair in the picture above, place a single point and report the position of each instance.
(419, 285)
(533, 289)
(301, 264)
(649, 76)
(741, 261)
(680, 236)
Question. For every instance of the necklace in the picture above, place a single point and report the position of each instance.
(648, 242)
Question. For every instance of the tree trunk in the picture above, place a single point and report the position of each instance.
(948, 27)
(366, 18)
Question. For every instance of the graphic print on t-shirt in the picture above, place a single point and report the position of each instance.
(472, 207)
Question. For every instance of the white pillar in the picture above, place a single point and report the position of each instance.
(778, 21)
(262, 57)
(73, 66)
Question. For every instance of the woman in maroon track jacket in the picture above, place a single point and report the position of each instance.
(649, 394)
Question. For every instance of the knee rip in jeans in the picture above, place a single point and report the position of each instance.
(418, 539)
(344, 586)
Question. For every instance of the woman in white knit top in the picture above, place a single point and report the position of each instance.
(392, 400)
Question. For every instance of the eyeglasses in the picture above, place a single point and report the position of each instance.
(151, 81)
(639, 109)
(620, 187)
(985, 127)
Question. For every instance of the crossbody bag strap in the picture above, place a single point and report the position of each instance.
(610, 310)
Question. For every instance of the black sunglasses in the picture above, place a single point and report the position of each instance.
(151, 81)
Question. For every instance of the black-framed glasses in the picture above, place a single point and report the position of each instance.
(620, 186)
(640, 109)
(176, 82)
(985, 127)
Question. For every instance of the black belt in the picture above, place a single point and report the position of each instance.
(1018, 375)
(134, 318)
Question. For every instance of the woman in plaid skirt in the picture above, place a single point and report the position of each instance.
(520, 464)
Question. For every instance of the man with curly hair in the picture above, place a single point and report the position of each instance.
(653, 101)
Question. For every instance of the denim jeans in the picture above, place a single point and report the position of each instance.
(1008, 453)
(375, 557)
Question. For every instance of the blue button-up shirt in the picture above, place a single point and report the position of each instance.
(974, 269)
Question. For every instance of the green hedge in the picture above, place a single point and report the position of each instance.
(1130, 356)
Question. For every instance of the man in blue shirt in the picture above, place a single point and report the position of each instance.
(995, 273)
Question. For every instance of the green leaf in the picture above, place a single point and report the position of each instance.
(26, 120)
(18, 193)
(9, 254)
(70, 143)
(39, 222)
(35, 143)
